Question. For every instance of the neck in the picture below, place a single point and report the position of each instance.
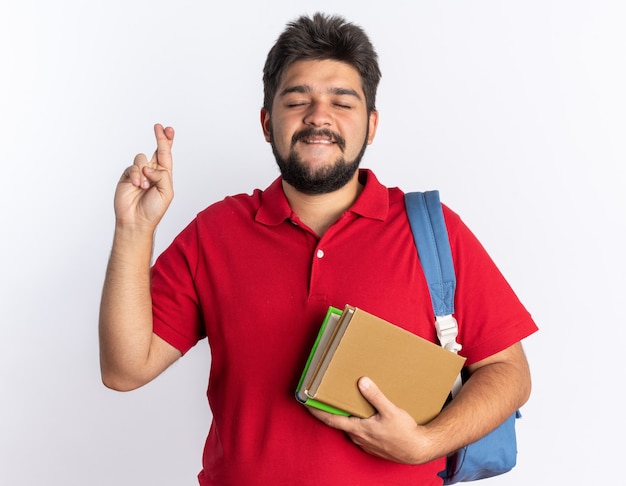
(319, 211)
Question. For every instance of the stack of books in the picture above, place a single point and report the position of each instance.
(415, 374)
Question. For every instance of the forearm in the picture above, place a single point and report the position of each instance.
(494, 391)
(126, 310)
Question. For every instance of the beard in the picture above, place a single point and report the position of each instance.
(322, 180)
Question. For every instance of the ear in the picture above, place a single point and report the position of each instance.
(265, 124)
(373, 125)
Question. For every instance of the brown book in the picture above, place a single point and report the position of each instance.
(413, 373)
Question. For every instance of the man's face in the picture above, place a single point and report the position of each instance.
(319, 126)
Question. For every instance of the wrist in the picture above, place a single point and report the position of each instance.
(430, 444)
(134, 231)
(133, 243)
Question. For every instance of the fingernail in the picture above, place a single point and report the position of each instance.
(365, 383)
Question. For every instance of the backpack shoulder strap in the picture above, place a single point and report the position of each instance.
(433, 247)
(431, 238)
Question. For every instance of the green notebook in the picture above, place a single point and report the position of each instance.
(327, 329)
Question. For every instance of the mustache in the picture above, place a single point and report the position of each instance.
(324, 132)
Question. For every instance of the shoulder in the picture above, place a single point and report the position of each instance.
(454, 223)
(451, 217)
(269, 204)
(232, 205)
(230, 214)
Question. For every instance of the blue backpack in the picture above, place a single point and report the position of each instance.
(496, 452)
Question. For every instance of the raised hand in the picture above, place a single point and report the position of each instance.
(145, 189)
(130, 353)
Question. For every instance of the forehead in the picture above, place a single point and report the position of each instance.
(321, 76)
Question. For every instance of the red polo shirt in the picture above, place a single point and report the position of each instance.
(252, 277)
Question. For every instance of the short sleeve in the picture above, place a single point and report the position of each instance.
(490, 315)
(175, 307)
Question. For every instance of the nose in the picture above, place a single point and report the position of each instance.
(318, 115)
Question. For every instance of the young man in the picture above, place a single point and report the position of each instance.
(256, 274)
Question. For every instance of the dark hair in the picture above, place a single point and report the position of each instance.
(319, 38)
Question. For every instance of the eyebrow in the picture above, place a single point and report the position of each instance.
(303, 88)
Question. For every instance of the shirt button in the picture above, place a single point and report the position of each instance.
(320, 253)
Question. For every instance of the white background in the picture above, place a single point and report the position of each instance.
(516, 111)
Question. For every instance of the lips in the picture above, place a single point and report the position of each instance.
(318, 137)
(323, 141)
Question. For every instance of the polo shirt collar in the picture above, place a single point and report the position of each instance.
(373, 202)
